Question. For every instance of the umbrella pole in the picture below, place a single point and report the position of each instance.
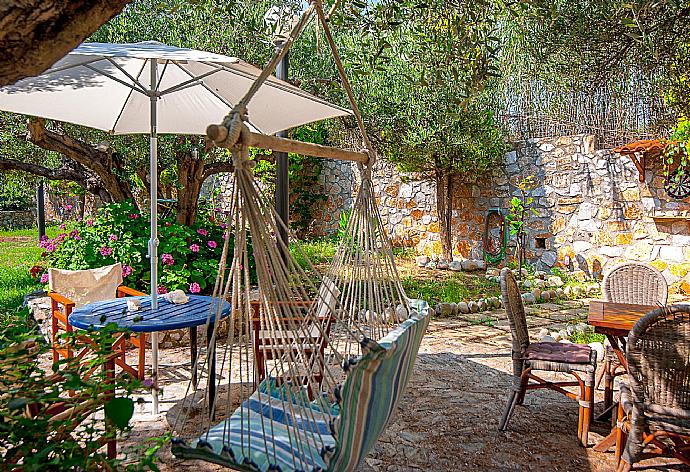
(153, 242)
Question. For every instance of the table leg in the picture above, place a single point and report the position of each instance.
(609, 404)
(195, 354)
(211, 350)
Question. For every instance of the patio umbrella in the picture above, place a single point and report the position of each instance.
(152, 88)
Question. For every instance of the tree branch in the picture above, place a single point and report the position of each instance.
(97, 161)
(52, 174)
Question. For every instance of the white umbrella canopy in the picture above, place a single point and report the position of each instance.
(151, 88)
(107, 87)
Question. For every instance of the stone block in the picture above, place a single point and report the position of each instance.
(610, 251)
(631, 195)
(659, 265)
(632, 211)
(640, 251)
(581, 246)
(671, 253)
(623, 239)
(679, 269)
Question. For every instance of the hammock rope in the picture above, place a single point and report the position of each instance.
(306, 350)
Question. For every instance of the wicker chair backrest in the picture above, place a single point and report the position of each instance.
(512, 301)
(636, 283)
(658, 355)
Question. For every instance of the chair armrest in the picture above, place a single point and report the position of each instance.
(64, 301)
(124, 291)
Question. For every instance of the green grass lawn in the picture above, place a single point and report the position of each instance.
(18, 252)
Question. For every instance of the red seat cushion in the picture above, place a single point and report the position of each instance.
(558, 352)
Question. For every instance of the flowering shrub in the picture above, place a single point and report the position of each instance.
(119, 233)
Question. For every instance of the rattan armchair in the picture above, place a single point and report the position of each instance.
(634, 283)
(654, 411)
(574, 359)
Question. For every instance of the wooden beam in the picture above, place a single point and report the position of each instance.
(640, 165)
(310, 149)
(218, 133)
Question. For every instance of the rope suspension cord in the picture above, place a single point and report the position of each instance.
(293, 346)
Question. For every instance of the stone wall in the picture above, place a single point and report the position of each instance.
(17, 219)
(336, 182)
(592, 210)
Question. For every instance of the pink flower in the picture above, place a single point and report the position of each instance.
(194, 248)
(89, 222)
(106, 251)
(202, 232)
(62, 226)
(167, 259)
(68, 207)
(162, 289)
(50, 247)
(74, 233)
(133, 216)
(194, 287)
(44, 278)
(126, 270)
(223, 226)
(216, 209)
(112, 237)
(212, 244)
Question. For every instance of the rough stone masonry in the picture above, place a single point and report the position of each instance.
(592, 210)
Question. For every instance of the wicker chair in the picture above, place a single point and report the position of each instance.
(655, 408)
(633, 283)
(546, 356)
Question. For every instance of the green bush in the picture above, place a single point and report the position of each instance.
(41, 440)
(189, 255)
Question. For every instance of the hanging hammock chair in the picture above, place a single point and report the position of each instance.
(314, 365)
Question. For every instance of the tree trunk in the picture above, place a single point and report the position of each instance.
(190, 174)
(444, 204)
(34, 34)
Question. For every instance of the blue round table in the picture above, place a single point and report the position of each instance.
(167, 317)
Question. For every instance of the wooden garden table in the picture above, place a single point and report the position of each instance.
(614, 320)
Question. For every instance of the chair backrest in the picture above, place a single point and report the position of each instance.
(373, 388)
(637, 283)
(86, 286)
(512, 301)
(658, 355)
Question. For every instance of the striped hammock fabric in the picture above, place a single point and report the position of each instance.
(259, 436)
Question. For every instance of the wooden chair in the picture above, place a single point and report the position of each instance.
(74, 288)
(289, 337)
(546, 356)
(654, 411)
(635, 283)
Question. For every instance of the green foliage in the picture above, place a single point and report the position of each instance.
(520, 206)
(119, 233)
(421, 101)
(41, 440)
(303, 174)
(675, 157)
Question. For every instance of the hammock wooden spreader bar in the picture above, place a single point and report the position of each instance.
(219, 133)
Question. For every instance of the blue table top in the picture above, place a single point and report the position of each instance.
(168, 315)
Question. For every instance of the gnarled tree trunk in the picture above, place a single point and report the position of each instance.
(34, 34)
